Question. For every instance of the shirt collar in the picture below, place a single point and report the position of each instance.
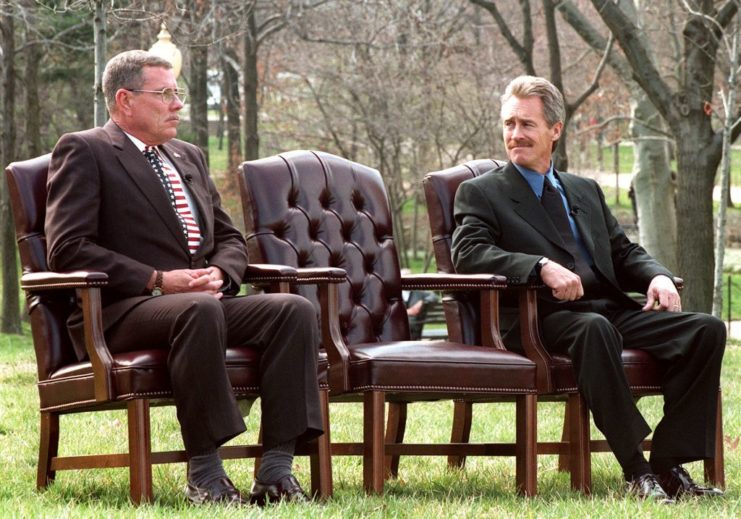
(138, 143)
(535, 179)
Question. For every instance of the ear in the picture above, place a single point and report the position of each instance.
(557, 130)
(124, 99)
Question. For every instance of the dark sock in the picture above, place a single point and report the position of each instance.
(636, 466)
(660, 465)
(276, 463)
(204, 469)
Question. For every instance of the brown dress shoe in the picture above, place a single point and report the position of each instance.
(220, 490)
(285, 489)
(678, 483)
(648, 487)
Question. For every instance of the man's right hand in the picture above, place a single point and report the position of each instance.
(564, 284)
(191, 280)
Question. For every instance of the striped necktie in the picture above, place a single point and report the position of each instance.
(174, 188)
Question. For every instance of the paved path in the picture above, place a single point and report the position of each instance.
(608, 180)
(735, 330)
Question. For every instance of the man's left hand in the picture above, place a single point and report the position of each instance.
(207, 280)
(662, 296)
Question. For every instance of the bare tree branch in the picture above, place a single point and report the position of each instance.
(626, 32)
(522, 51)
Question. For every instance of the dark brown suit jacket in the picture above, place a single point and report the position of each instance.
(502, 228)
(107, 211)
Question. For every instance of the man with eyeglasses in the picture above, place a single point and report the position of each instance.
(130, 200)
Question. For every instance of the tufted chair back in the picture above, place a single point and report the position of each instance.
(48, 312)
(311, 209)
(462, 309)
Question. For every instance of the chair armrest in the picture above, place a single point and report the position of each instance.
(35, 281)
(452, 282)
(268, 273)
(87, 285)
(328, 280)
(269, 277)
(310, 276)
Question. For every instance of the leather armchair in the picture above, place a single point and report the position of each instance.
(313, 210)
(133, 381)
(555, 375)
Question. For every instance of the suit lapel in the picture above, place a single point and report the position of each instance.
(580, 212)
(527, 205)
(140, 171)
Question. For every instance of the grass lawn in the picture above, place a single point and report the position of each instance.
(426, 487)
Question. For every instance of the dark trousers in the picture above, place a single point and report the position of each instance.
(689, 345)
(197, 329)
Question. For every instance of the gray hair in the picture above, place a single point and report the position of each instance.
(532, 86)
(124, 70)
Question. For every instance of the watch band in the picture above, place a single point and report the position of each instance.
(542, 262)
(158, 279)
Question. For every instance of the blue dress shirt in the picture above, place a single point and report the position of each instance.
(535, 180)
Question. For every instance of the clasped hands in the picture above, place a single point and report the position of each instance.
(566, 285)
(207, 280)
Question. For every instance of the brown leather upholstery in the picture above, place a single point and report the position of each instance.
(555, 372)
(128, 380)
(315, 210)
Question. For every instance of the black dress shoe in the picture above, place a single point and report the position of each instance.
(678, 483)
(285, 489)
(220, 490)
(648, 487)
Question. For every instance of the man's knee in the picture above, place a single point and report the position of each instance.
(594, 334)
(202, 309)
(712, 330)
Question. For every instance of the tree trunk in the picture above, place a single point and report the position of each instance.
(654, 188)
(99, 35)
(233, 134)
(695, 217)
(199, 96)
(10, 320)
(33, 107)
(249, 73)
(729, 104)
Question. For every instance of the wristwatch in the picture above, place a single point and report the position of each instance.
(157, 290)
(542, 262)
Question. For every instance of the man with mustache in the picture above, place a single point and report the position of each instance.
(528, 221)
(130, 200)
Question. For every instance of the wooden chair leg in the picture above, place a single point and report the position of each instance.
(258, 459)
(397, 422)
(580, 455)
(373, 450)
(715, 466)
(564, 462)
(48, 448)
(527, 448)
(321, 461)
(140, 451)
(462, 419)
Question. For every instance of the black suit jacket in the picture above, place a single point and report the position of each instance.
(502, 228)
(107, 211)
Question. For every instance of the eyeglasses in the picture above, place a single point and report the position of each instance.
(168, 94)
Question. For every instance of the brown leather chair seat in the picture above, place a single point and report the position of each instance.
(443, 369)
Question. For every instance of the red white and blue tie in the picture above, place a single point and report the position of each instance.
(176, 194)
